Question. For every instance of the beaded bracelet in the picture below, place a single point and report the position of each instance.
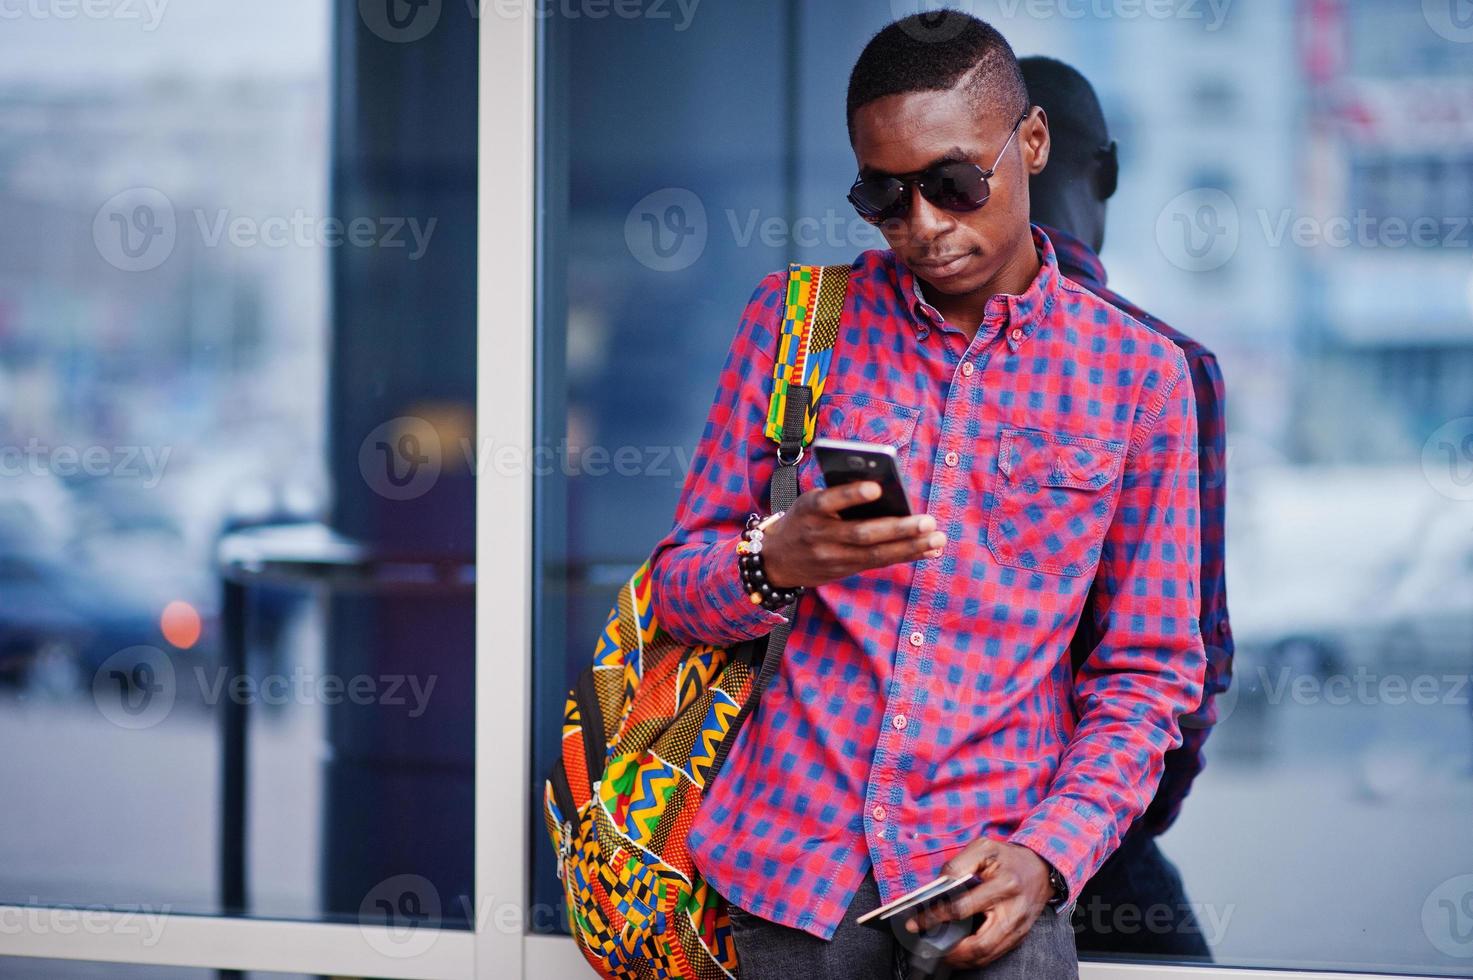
(754, 579)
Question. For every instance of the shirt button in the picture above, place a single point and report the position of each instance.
(917, 638)
(967, 368)
(1016, 335)
(952, 459)
(878, 813)
(899, 722)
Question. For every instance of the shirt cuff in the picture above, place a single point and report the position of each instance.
(1074, 844)
(728, 600)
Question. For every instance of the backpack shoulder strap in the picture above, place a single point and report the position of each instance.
(815, 303)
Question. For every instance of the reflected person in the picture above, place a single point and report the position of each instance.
(1136, 903)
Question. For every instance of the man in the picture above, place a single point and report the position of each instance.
(925, 717)
(1136, 903)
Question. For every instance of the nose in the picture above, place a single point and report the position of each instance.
(926, 222)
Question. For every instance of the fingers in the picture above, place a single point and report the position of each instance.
(986, 895)
(834, 499)
(875, 542)
(971, 861)
(1002, 930)
(979, 858)
(883, 530)
(861, 558)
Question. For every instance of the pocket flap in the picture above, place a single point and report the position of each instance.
(866, 419)
(1059, 460)
(1086, 467)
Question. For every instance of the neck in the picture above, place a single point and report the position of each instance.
(1078, 214)
(965, 311)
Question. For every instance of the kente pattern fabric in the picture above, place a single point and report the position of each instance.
(810, 323)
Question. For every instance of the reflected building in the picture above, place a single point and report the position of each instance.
(1387, 176)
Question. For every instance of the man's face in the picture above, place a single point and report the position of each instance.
(953, 252)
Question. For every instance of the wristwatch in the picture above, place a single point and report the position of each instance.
(1060, 888)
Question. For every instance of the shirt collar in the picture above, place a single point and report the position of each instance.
(1076, 260)
(1020, 312)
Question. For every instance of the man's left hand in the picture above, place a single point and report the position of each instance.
(1014, 890)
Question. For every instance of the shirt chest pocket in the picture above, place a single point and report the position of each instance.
(1052, 500)
(864, 419)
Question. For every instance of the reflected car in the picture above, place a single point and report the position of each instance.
(60, 621)
(1317, 558)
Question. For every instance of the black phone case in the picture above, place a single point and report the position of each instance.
(891, 503)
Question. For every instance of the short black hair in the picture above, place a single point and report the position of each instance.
(934, 52)
(1076, 122)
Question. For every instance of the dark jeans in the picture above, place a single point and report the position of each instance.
(1135, 905)
(768, 951)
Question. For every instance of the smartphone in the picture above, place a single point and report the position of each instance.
(925, 950)
(908, 905)
(845, 461)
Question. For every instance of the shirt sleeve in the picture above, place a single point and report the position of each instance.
(1182, 765)
(1148, 667)
(696, 585)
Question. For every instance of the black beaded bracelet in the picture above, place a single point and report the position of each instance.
(754, 577)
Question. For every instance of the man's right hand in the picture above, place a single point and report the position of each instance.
(811, 544)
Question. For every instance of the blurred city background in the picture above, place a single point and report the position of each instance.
(1296, 192)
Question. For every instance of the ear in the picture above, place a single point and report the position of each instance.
(1036, 141)
(1107, 177)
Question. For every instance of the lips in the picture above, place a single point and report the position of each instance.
(941, 267)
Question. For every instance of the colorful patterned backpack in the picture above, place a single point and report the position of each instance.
(648, 725)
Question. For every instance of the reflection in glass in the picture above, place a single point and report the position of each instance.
(192, 368)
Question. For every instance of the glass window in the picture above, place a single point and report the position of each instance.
(1330, 827)
(236, 520)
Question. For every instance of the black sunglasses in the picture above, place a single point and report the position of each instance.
(955, 186)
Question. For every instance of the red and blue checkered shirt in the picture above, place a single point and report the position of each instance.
(1078, 262)
(921, 706)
